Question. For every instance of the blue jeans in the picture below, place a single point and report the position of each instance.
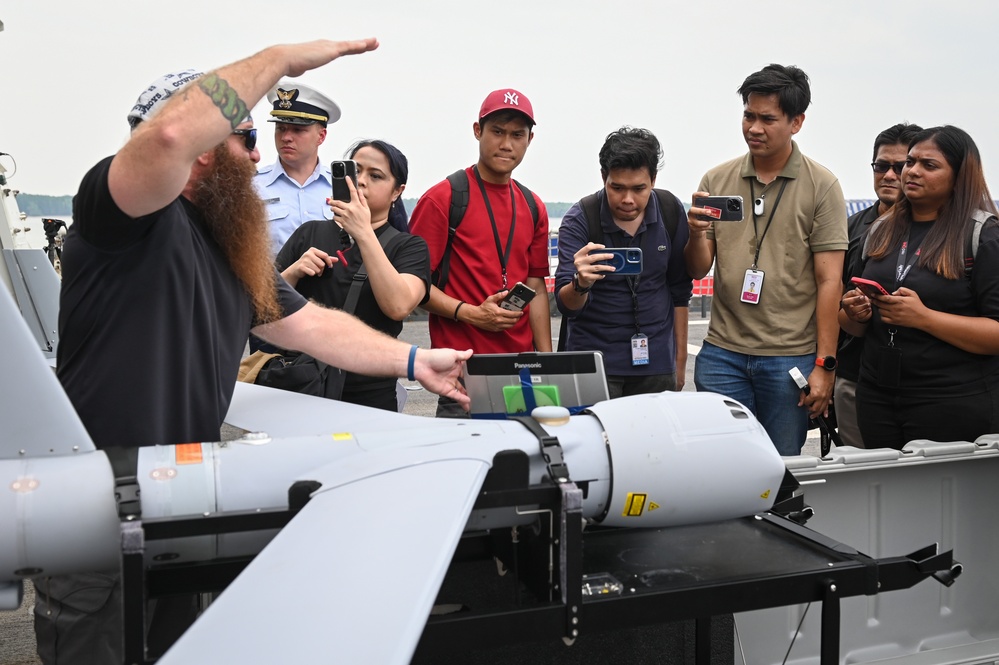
(762, 384)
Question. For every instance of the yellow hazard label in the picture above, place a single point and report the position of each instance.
(765, 495)
(342, 436)
(634, 504)
(652, 506)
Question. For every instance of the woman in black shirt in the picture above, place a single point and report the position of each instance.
(930, 368)
(320, 260)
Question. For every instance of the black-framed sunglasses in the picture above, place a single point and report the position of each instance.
(249, 137)
(882, 167)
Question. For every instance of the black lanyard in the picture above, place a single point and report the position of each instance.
(504, 255)
(634, 280)
(752, 194)
(903, 267)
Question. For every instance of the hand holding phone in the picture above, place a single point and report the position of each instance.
(518, 297)
(341, 170)
(869, 287)
(720, 208)
(624, 260)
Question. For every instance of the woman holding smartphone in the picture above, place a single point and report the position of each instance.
(930, 368)
(321, 258)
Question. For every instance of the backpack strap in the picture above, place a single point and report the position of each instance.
(456, 212)
(590, 205)
(357, 281)
(667, 204)
(531, 203)
(971, 250)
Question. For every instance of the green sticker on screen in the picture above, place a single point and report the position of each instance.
(513, 398)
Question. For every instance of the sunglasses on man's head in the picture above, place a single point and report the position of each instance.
(249, 137)
(882, 167)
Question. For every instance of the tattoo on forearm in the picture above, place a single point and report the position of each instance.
(224, 97)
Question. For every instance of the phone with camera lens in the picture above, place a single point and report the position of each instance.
(343, 169)
(625, 260)
(720, 208)
(518, 297)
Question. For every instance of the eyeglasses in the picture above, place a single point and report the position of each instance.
(249, 137)
(882, 167)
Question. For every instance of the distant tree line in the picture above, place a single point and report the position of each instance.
(556, 209)
(40, 205)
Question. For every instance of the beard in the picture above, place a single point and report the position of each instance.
(234, 215)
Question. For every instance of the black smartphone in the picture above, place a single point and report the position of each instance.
(869, 287)
(343, 169)
(720, 208)
(518, 297)
(625, 260)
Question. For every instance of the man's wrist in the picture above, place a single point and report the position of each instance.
(579, 288)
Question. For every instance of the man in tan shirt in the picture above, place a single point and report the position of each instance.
(778, 272)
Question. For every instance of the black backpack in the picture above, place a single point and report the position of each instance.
(591, 211)
(459, 204)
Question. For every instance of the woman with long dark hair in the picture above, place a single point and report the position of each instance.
(930, 368)
(322, 258)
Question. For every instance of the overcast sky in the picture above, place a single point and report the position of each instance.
(72, 70)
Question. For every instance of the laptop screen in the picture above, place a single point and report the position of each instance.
(510, 384)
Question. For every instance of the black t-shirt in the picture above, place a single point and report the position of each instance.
(407, 253)
(851, 348)
(929, 365)
(152, 321)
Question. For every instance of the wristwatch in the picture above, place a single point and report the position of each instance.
(828, 362)
(576, 287)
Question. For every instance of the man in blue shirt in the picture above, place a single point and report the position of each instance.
(296, 186)
(638, 322)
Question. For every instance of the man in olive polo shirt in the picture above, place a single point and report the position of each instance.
(778, 272)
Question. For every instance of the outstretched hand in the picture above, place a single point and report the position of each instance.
(300, 58)
(439, 371)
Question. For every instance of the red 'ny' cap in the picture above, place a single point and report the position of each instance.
(506, 98)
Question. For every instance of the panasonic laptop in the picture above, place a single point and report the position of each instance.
(513, 384)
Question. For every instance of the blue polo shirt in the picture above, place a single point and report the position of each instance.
(606, 322)
(288, 204)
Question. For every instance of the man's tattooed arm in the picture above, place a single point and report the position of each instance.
(224, 97)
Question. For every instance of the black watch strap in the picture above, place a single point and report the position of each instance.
(576, 287)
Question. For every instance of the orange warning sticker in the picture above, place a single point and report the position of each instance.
(634, 504)
(188, 453)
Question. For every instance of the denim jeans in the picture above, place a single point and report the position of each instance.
(762, 384)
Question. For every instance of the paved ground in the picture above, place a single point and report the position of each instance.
(16, 635)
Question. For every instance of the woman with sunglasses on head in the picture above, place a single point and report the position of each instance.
(320, 261)
(930, 367)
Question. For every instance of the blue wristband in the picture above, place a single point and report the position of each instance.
(412, 363)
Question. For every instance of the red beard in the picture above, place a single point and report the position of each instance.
(235, 217)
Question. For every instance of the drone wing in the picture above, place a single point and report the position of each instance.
(353, 577)
(284, 414)
(38, 419)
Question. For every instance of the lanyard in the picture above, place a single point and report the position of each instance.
(903, 267)
(504, 255)
(634, 280)
(752, 194)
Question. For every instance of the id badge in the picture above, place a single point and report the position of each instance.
(889, 368)
(752, 287)
(640, 349)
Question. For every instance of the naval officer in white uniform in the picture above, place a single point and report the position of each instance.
(296, 186)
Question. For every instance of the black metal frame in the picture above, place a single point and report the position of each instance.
(562, 611)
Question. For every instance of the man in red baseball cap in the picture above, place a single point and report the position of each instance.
(486, 232)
